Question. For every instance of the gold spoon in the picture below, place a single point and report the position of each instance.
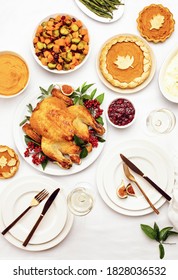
(132, 178)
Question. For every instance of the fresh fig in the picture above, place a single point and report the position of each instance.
(67, 90)
(121, 190)
(130, 190)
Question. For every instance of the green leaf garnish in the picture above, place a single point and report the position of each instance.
(30, 108)
(100, 120)
(83, 153)
(85, 87)
(45, 93)
(164, 232)
(100, 98)
(100, 139)
(78, 141)
(156, 229)
(28, 139)
(161, 251)
(86, 97)
(159, 235)
(93, 93)
(44, 163)
(76, 99)
(149, 231)
(25, 120)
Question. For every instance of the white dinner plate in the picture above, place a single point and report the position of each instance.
(44, 246)
(131, 90)
(117, 14)
(150, 162)
(19, 197)
(51, 168)
(123, 147)
(41, 246)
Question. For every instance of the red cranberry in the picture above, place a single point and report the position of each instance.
(121, 112)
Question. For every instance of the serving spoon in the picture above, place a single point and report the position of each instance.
(132, 179)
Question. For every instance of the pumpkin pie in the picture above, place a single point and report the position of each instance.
(9, 162)
(155, 23)
(125, 61)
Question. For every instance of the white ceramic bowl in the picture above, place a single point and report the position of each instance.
(55, 71)
(163, 76)
(27, 82)
(121, 114)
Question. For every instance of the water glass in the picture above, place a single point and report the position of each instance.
(80, 200)
(161, 121)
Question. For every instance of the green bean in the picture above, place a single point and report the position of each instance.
(93, 5)
(97, 10)
(102, 8)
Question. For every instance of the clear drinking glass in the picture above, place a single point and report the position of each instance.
(80, 200)
(161, 121)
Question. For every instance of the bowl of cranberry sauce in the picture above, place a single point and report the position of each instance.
(121, 113)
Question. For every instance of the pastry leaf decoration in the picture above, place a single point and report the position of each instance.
(3, 161)
(156, 22)
(124, 62)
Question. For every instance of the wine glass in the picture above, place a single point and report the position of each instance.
(80, 200)
(161, 121)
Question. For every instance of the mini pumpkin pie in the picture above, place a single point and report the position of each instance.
(9, 162)
(155, 23)
(125, 61)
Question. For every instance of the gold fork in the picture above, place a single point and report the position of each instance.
(132, 178)
(35, 201)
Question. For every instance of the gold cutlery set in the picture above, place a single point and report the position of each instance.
(128, 164)
(35, 202)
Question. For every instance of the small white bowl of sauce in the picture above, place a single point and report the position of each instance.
(121, 113)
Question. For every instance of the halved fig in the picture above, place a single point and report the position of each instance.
(121, 190)
(130, 190)
(67, 90)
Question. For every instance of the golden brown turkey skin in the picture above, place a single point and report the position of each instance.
(56, 123)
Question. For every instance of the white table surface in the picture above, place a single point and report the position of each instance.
(103, 234)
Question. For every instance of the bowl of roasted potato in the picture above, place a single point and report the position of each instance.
(61, 43)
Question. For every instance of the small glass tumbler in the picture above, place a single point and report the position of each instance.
(80, 200)
(161, 121)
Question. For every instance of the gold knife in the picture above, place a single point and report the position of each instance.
(132, 166)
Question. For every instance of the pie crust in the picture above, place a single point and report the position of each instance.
(155, 23)
(125, 61)
(9, 162)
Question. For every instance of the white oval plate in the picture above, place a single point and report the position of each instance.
(45, 67)
(117, 14)
(131, 90)
(22, 191)
(120, 148)
(162, 80)
(51, 168)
